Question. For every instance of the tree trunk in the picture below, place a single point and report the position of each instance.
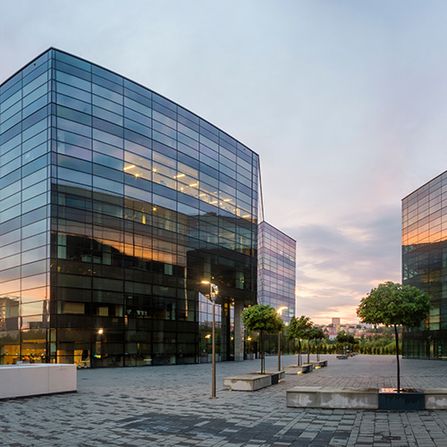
(396, 334)
(308, 351)
(318, 351)
(261, 352)
(299, 352)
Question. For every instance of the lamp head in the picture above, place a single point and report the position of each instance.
(280, 309)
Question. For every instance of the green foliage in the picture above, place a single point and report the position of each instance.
(345, 338)
(262, 317)
(394, 304)
(299, 328)
(316, 333)
(377, 345)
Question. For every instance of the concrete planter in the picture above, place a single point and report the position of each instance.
(253, 381)
(406, 400)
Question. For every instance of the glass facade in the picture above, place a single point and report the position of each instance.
(276, 270)
(115, 203)
(424, 265)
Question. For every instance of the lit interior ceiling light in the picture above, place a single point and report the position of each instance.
(154, 169)
(194, 184)
(180, 175)
(227, 200)
(154, 208)
(129, 167)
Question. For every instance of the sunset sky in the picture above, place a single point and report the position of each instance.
(345, 101)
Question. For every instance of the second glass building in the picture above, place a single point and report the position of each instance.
(276, 270)
(424, 265)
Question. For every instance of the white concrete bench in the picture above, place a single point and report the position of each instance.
(435, 398)
(359, 398)
(329, 397)
(302, 369)
(253, 381)
(320, 364)
(36, 379)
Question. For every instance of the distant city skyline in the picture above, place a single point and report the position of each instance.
(345, 102)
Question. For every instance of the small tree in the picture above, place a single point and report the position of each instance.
(262, 318)
(317, 334)
(394, 305)
(345, 340)
(298, 329)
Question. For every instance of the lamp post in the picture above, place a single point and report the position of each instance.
(214, 290)
(279, 311)
(100, 333)
(249, 348)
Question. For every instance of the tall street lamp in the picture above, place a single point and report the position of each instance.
(100, 333)
(214, 290)
(279, 311)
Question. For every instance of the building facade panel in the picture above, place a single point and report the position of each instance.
(126, 202)
(276, 270)
(424, 264)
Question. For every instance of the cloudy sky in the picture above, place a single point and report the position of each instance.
(345, 101)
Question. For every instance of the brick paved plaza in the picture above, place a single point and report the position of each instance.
(170, 406)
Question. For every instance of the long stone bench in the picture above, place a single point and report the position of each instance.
(329, 397)
(435, 398)
(36, 379)
(320, 364)
(253, 381)
(365, 398)
(302, 369)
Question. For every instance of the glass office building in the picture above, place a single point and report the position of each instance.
(115, 203)
(276, 270)
(424, 265)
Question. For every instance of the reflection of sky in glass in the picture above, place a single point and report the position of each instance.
(276, 270)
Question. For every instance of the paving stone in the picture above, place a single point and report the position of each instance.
(169, 406)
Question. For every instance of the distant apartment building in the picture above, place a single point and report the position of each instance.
(276, 270)
(424, 264)
(357, 330)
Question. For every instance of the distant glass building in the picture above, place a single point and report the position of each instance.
(276, 269)
(424, 264)
(115, 203)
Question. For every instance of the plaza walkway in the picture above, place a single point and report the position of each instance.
(170, 406)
